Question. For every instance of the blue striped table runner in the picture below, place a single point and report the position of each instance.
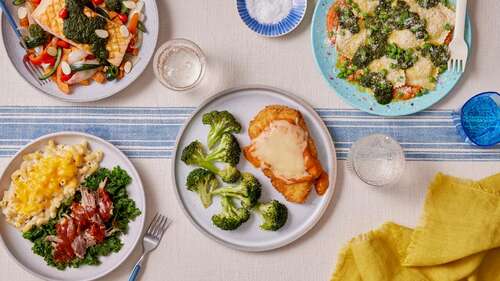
(148, 132)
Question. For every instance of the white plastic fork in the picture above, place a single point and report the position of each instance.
(459, 50)
(150, 241)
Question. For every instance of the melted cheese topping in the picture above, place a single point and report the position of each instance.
(404, 39)
(44, 180)
(396, 76)
(347, 44)
(281, 148)
(367, 6)
(421, 74)
(436, 19)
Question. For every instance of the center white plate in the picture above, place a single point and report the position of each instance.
(20, 248)
(244, 104)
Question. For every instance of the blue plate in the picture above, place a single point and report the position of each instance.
(326, 58)
(283, 27)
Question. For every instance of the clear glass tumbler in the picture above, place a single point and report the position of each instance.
(377, 159)
(179, 64)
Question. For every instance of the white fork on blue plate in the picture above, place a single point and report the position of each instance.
(458, 47)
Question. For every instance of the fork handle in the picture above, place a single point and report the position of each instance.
(135, 273)
(460, 19)
(137, 268)
(10, 19)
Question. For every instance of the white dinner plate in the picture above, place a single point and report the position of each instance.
(94, 91)
(20, 248)
(244, 104)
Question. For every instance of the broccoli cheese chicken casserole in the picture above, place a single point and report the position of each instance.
(45, 180)
(395, 49)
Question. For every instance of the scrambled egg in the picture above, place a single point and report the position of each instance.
(44, 180)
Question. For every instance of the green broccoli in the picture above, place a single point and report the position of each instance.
(202, 182)
(231, 217)
(220, 122)
(228, 151)
(274, 215)
(248, 191)
(194, 154)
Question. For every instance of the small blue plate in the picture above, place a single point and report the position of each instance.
(326, 59)
(283, 27)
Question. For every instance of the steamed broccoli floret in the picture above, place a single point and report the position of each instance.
(229, 174)
(228, 151)
(231, 217)
(194, 154)
(220, 122)
(274, 215)
(248, 191)
(202, 182)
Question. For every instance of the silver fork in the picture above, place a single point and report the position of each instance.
(150, 241)
(458, 47)
(35, 71)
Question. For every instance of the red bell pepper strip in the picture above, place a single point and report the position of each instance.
(43, 57)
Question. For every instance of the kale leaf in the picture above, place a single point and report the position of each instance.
(36, 36)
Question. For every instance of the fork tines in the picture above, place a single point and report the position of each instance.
(456, 65)
(35, 71)
(158, 226)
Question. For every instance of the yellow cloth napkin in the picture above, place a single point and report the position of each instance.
(458, 239)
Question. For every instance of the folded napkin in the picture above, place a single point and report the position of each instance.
(458, 239)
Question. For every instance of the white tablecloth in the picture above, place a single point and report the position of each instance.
(237, 56)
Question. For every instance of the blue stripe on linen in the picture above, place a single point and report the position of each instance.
(150, 132)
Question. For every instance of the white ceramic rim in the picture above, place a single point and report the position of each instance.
(330, 149)
(135, 176)
(153, 17)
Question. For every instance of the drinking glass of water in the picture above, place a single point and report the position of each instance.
(179, 64)
(377, 159)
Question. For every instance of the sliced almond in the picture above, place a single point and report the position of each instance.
(66, 69)
(127, 67)
(76, 56)
(22, 12)
(124, 31)
(129, 4)
(101, 33)
(52, 51)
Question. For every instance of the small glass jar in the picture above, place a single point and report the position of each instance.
(179, 64)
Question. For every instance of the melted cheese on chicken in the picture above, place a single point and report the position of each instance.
(281, 148)
(396, 76)
(347, 43)
(422, 74)
(404, 39)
